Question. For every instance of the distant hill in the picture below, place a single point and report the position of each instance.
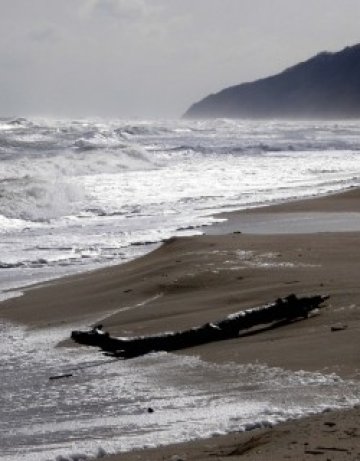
(326, 86)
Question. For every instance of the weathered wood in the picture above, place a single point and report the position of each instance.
(283, 309)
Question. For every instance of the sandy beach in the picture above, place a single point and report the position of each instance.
(308, 247)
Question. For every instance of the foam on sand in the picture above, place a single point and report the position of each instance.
(103, 406)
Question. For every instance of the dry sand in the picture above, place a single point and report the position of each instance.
(190, 281)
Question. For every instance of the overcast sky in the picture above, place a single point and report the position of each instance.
(153, 58)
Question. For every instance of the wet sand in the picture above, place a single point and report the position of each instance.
(190, 281)
(331, 436)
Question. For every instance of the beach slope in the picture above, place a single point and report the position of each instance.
(190, 281)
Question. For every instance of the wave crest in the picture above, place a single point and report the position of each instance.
(35, 199)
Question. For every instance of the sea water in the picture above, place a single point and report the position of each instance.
(77, 195)
(103, 406)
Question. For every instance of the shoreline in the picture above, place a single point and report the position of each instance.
(193, 280)
(334, 212)
(323, 436)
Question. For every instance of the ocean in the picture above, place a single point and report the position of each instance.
(76, 195)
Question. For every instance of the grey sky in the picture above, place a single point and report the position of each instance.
(153, 58)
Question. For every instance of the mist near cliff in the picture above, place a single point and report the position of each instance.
(153, 58)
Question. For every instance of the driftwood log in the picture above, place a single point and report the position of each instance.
(284, 310)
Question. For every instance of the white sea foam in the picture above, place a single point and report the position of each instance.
(38, 199)
(103, 406)
(80, 194)
(75, 195)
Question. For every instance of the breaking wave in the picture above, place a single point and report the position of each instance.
(115, 186)
(36, 199)
(40, 164)
(76, 195)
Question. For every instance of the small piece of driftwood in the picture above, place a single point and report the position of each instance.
(284, 310)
